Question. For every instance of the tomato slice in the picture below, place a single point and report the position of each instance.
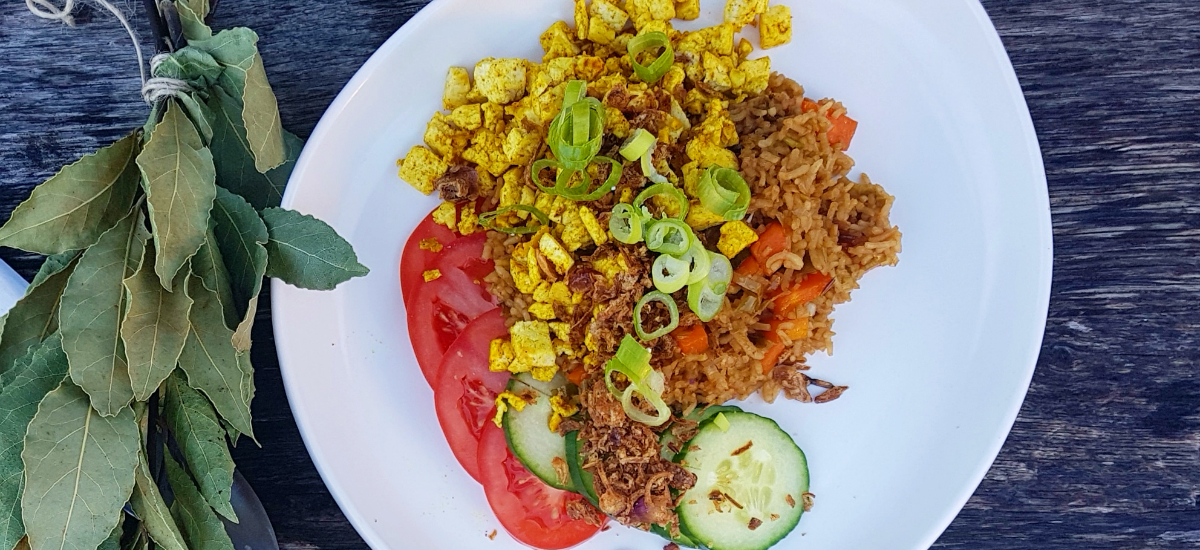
(465, 392)
(415, 261)
(439, 312)
(531, 511)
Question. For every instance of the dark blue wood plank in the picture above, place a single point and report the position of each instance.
(1106, 452)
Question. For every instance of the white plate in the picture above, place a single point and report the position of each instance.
(938, 351)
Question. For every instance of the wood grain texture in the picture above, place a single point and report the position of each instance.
(1106, 452)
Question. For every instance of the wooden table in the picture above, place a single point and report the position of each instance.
(1106, 452)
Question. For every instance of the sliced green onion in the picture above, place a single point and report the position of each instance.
(632, 353)
(669, 273)
(487, 219)
(656, 69)
(574, 91)
(723, 191)
(672, 309)
(631, 360)
(721, 422)
(720, 272)
(638, 143)
(610, 183)
(669, 236)
(652, 395)
(625, 224)
(669, 190)
(577, 130)
(649, 171)
(704, 301)
(699, 261)
(535, 171)
(582, 191)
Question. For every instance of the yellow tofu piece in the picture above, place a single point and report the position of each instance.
(743, 48)
(560, 294)
(581, 19)
(735, 236)
(531, 343)
(510, 189)
(544, 374)
(467, 117)
(717, 39)
(594, 230)
(431, 275)
(610, 265)
(673, 79)
(616, 123)
(444, 138)
(605, 21)
(524, 268)
(500, 355)
(708, 153)
(542, 311)
(421, 168)
(561, 331)
(468, 220)
(644, 11)
(700, 218)
(558, 41)
(431, 244)
(556, 253)
(659, 26)
(574, 235)
(487, 150)
(457, 89)
(687, 9)
(445, 214)
(691, 179)
(775, 26)
(743, 12)
(752, 76)
(493, 117)
(501, 80)
(589, 67)
(560, 408)
(505, 400)
(487, 182)
(716, 69)
(520, 145)
(545, 76)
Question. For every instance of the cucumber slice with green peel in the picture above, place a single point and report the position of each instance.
(750, 482)
(667, 438)
(529, 436)
(582, 479)
(681, 540)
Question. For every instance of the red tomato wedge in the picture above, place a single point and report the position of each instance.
(465, 392)
(531, 511)
(457, 252)
(439, 312)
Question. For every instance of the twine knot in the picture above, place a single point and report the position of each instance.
(159, 87)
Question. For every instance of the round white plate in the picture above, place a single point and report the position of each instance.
(938, 351)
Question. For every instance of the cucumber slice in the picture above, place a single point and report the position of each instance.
(681, 540)
(582, 479)
(528, 432)
(667, 439)
(752, 473)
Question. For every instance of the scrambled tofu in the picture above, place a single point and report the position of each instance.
(752, 76)
(605, 21)
(735, 236)
(558, 41)
(556, 253)
(467, 117)
(445, 138)
(531, 344)
(501, 81)
(687, 9)
(700, 218)
(421, 168)
(468, 220)
(743, 12)
(446, 214)
(594, 230)
(712, 137)
(775, 26)
(431, 274)
(508, 399)
(431, 244)
(644, 12)
(560, 408)
(457, 90)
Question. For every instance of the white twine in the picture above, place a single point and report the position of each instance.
(153, 89)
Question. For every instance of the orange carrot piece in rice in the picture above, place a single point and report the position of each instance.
(748, 267)
(803, 292)
(691, 340)
(773, 239)
(841, 129)
(575, 375)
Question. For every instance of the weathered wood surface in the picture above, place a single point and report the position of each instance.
(1106, 452)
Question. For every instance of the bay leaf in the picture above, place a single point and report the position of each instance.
(74, 207)
(43, 368)
(201, 527)
(191, 19)
(190, 64)
(35, 315)
(113, 542)
(199, 114)
(245, 79)
(235, 162)
(210, 267)
(211, 363)
(179, 178)
(150, 507)
(155, 326)
(79, 471)
(306, 252)
(201, 438)
(241, 236)
(93, 303)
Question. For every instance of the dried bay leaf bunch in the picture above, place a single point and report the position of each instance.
(125, 368)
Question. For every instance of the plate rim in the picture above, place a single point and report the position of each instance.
(1045, 259)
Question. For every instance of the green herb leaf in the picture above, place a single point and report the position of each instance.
(35, 315)
(202, 440)
(179, 179)
(72, 209)
(154, 328)
(235, 162)
(92, 305)
(202, 528)
(150, 507)
(113, 542)
(43, 369)
(306, 252)
(193, 65)
(191, 18)
(245, 79)
(210, 362)
(209, 265)
(78, 471)
(241, 235)
(199, 114)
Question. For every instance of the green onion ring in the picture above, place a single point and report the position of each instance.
(669, 273)
(625, 224)
(664, 189)
(574, 91)
(669, 236)
(672, 309)
(724, 192)
(704, 301)
(486, 219)
(638, 144)
(536, 169)
(699, 261)
(720, 272)
(649, 171)
(656, 69)
(654, 397)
